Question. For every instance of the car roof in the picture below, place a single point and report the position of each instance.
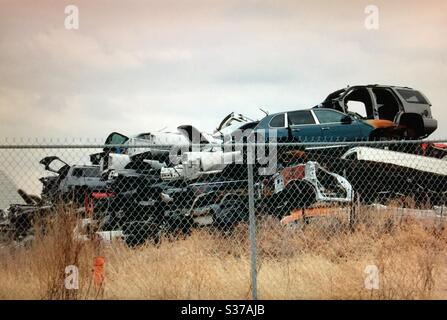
(307, 109)
(374, 86)
(276, 113)
(343, 90)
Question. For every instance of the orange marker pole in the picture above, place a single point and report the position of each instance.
(98, 273)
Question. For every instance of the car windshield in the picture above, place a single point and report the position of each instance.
(56, 165)
(116, 138)
(412, 96)
(92, 172)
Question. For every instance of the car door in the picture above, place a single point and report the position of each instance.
(359, 101)
(337, 126)
(277, 125)
(303, 126)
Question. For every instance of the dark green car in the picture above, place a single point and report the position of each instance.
(317, 124)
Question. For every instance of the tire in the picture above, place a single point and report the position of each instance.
(139, 232)
(297, 195)
(230, 214)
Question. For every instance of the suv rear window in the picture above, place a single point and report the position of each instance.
(412, 96)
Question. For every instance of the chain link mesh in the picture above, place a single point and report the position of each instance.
(182, 230)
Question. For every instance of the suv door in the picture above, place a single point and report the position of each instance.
(303, 126)
(74, 179)
(386, 103)
(334, 129)
(359, 101)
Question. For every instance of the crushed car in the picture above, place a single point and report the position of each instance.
(157, 146)
(17, 220)
(379, 176)
(302, 186)
(396, 112)
(195, 164)
(434, 150)
(69, 182)
(119, 148)
(178, 207)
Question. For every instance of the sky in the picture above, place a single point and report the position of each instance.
(139, 66)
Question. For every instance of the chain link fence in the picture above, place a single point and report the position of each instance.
(289, 221)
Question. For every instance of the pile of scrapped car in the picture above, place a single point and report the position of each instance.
(132, 189)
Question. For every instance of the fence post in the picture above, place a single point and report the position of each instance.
(252, 230)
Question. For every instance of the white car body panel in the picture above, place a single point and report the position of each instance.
(402, 159)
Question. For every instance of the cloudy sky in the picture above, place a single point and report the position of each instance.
(135, 66)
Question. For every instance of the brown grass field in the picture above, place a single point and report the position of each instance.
(325, 259)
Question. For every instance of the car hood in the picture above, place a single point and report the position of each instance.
(55, 164)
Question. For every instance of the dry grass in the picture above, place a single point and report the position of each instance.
(324, 259)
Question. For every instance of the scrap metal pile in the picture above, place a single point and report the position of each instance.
(133, 188)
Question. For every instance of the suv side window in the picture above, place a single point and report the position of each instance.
(329, 116)
(300, 117)
(278, 121)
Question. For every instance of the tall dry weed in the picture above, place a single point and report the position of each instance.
(324, 258)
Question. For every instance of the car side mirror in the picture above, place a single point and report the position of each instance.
(346, 120)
